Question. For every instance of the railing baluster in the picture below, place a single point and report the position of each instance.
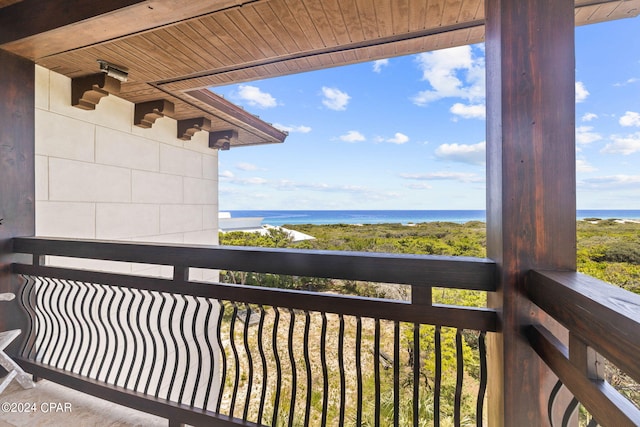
(292, 360)
(187, 357)
(359, 369)
(73, 330)
(323, 361)
(459, 377)
(341, 369)
(154, 352)
(376, 371)
(568, 413)
(27, 297)
(49, 328)
(212, 366)
(263, 359)
(307, 362)
(274, 346)
(236, 360)
(103, 335)
(223, 356)
(396, 373)
(247, 349)
(91, 353)
(482, 387)
(175, 347)
(165, 348)
(416, 374)
(438, 375)
(198, 359)
(106, 340)
(125, 336)
(117, 347)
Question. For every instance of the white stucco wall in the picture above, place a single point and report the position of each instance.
(100, 177)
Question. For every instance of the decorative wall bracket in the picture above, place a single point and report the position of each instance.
(188, 127)
(223, 139)
(87, 91)
(146, 113)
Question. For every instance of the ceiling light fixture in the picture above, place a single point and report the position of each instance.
(115, 71)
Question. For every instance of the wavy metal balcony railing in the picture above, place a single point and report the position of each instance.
(221, 354)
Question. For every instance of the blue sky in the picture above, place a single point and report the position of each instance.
(409, 132)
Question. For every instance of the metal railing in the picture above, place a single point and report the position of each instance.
(224, 354)
(603, 322)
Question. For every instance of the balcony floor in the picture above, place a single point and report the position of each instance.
(49, 400)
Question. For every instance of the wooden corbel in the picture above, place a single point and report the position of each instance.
(222, 140)
(87, 91)
(188, 127)
(146, 113)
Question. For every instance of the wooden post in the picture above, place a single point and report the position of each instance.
(17, 181)
(531, 209)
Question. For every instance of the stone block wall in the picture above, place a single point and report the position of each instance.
(100, 177)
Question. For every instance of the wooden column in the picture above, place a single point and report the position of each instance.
(531, 209)
(17, 182)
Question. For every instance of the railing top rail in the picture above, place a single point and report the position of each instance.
(426, 270)
(604, 316)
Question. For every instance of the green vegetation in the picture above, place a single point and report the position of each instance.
(606, 249)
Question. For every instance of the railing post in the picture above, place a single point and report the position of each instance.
(531, 209)
(17, 180)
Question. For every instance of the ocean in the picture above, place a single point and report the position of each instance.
(282, 217)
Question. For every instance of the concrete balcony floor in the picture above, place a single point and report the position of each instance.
(52, 405)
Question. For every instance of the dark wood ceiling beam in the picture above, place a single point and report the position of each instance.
(224, 139)
(61, 26)
(146, 113)
(219, 104)
(30, 17)
(86, 92)
(341, 48)
(188, 127)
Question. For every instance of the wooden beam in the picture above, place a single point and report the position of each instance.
(17, 181)
(224, 139)
(188, 127)
(86, 92)
(35, 28)
(146, 113)
(531, 209)
(31, 17)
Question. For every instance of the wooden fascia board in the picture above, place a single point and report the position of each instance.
(35, 29)
(220, 104)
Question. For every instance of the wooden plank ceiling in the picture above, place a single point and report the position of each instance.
(217, 43)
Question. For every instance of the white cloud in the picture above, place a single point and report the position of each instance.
(419, 186)
(584, 166)
(623, 144)
(377, 65)
(255, 180)
(246, 166)
(255, 97)
(442, 176)
(630, 118)
(585, 135)
(352, 136)
(292, 128)
(398, 138)
(581, 92)
(610, 181)
(472, 111)
(335, 99)
(628, 82)
(226, 174)
(588, 117)
(474, 154)
(453, 72)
